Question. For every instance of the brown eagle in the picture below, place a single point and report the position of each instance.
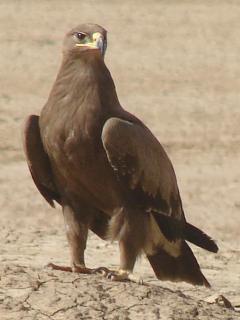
(107, 170)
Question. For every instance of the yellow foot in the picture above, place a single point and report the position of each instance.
(124, 275)
(79, 269)
(120, 275)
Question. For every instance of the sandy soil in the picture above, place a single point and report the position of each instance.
(176, 65)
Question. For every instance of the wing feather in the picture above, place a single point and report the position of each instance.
(38, 161)
(142, 166)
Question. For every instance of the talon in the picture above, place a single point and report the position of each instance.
(124, 275)
(101, 270)
(111, 276)
(49, 265)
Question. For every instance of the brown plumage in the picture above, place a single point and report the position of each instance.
(107, 170)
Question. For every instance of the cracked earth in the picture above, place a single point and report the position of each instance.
(176, 66)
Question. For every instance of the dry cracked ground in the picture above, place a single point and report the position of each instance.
(176, 65)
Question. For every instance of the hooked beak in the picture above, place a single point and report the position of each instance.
(98, 42)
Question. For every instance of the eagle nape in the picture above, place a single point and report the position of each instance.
(107, 170)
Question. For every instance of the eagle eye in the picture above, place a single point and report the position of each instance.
(80, 35)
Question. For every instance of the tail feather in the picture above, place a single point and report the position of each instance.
(182, 268)
(199, 238)
(174, 229)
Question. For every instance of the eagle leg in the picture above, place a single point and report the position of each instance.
(129, 227)
(77, 234)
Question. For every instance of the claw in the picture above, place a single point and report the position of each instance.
(124, 275)
(101, 270)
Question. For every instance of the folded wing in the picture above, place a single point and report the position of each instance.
(38, 161)
(142, 166)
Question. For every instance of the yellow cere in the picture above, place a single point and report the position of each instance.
(96, 36)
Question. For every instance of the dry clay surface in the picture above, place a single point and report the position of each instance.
(176, 65)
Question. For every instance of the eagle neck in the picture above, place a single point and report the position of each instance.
(87, 83)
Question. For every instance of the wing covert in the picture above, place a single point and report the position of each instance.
(142, 165)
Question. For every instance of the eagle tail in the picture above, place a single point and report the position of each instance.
(173, 229)
(199, 238)
(181, 268)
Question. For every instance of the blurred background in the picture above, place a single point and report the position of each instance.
(176, 65)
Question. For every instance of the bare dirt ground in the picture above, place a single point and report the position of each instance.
(176, 64)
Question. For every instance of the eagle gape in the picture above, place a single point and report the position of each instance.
(107, 170)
